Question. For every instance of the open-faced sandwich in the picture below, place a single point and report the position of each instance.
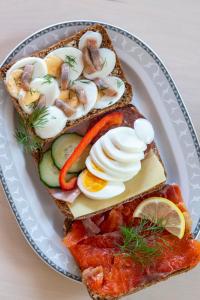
(96, 155)
(135, 245)
(113, 161)
(69, 81)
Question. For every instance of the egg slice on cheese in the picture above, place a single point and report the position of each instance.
(125, 139)
(108, 164)
(71, 56)
(98, 189)
(117, 85)
(118, 154)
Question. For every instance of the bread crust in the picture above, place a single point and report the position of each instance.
(73, 40)
(100, 297)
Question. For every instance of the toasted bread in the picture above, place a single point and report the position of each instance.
(73, 41)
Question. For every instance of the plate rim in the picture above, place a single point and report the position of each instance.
(165, 72)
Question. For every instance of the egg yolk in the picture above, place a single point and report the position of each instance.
(53, 65)
(92, 183)
(96, 167)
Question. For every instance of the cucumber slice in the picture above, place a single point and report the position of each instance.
(62, 148)
(49, 173)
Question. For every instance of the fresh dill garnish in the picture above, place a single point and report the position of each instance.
(119, 83)
(70, 61)
(38, 118)
(85, 81)
(142, 243)
(32, 91)
(104, 63)
(47, 79)
(28, 141)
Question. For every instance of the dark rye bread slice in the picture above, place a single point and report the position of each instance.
(67, 227)
(73, 41)
(130, 115)
(141, 287)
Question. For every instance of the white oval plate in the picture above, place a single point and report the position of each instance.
(156, 96)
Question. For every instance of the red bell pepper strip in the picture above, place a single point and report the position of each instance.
(115, 118)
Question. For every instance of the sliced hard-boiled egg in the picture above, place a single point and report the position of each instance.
(144, 130)
(118, 154)
(49, 89)
(108, 164)
(98, 172)
(26, 108)
(90, 35)
(54, 124)
(72, 57)
(114, 83)
(90, 91)
(108, 59)
(106, 174)
(13, 82)
(98, 189)
(125, 138)
(54, 64)
(39, 70)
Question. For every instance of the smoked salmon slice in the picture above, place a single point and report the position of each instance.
(110, 273)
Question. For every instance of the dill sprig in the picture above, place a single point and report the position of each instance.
(23, 137)
(38, 118)
(104, 63)
(142, 243)
(32, 91)
(85, 81)
(71, 61)
(47, 79)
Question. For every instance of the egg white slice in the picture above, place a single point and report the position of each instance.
(108, 58)
(119, 169)
(55, 122)
(109, 189)
(118, 85)
(102, 173)
(117, 154)
(76, 68)
(39, 70)
(49, 89)
(91, 94)
(144, 130)
(116, 176)
(126, 139)
(98, 172)
(90, 35)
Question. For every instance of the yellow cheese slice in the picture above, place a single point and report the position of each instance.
(151, 174)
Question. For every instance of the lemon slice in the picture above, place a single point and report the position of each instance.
(164, 212)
